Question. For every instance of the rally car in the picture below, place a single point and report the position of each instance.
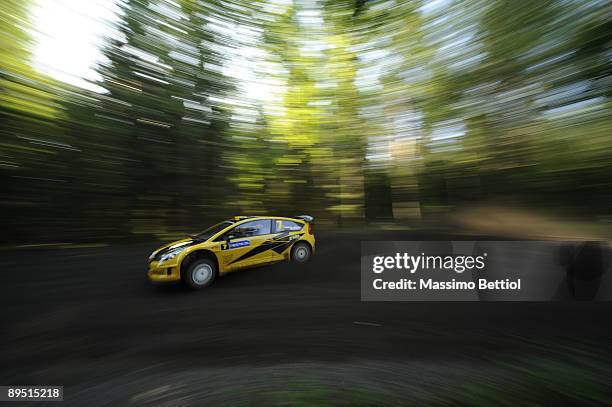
(234, 244)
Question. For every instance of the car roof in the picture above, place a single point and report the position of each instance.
(243, 218)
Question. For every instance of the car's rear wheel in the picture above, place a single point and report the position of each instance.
(301, 252)
(200, 274)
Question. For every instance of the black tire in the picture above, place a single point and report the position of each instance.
(301, 252)
(199, 274)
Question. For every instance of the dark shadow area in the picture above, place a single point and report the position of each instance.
(585, 264)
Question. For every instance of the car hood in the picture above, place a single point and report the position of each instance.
(173, 245)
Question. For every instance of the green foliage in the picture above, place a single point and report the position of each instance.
(372, 110)
(538, 382)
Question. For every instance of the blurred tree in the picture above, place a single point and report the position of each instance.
(346, 125)
(34, 146)
(158, 164)
(502, 74)
(391, 102)
(343, 109)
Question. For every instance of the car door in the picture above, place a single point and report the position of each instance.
(247, 244)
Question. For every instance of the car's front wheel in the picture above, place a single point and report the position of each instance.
(200, 274)
(301, 252)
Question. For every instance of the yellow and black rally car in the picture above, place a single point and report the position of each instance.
(234, 244)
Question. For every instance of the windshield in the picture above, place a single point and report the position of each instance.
(211, 231)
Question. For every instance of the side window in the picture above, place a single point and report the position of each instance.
(252, 228)
(281, 225)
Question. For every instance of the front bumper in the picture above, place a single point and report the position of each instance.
(163, 273)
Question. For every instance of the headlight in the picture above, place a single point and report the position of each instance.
(170, 255)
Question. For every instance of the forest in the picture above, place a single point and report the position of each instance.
(354, 111)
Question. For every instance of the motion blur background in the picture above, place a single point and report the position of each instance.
(127, 119)
(127, 122)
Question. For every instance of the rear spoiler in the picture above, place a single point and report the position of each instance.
(305, 218)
